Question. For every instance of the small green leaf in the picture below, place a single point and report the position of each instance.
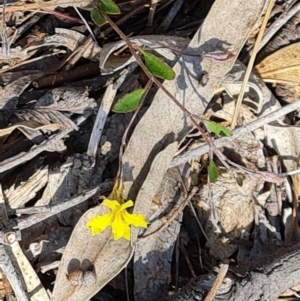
(109, 7)
(217, 128)
(156, 66)
(97, 18)
(239, 180)
(129, 102)
(212, 171)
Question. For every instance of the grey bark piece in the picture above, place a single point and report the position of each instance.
(265, 280)
(14, 279)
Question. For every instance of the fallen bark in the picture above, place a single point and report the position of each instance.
(265, 282)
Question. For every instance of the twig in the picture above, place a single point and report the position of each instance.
(217, 283)
(163, 27)
(236, 133)
(86, 24)
(281, 21)
(39, 5)
(79, 72)
(152, 12)
(124, 137)
(10, 272)
(175, 214)
(122, 20)
(197, 220)
(250, 64)
(5, 45)
(55, 209)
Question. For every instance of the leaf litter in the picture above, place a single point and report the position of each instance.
(62, 146)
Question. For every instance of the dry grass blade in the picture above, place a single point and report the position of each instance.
(283, 66)
(39, 5)
(250, 65)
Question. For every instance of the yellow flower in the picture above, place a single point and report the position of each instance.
(118, 218)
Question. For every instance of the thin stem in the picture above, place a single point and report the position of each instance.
(124, 137)
(159, 85)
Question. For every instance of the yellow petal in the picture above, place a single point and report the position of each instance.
(100, 222)
(126, 205)
(113, 205)
(137, 220)
(120, 228)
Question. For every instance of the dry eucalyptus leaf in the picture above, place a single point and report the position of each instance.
(286, 142)
(30, 125)
(283, 66)
(101, 254)
(153, 254)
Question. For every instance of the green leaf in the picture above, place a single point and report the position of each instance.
(97, 18)
(239, 180)
(109, 7)
(156, 66)
(217, 128)
(129, 102)
(212, 171)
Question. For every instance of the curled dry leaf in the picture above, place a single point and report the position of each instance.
(30, 125)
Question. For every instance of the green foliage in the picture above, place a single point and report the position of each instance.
(217, 128)
(239, 180)
(109, 7)
(156, 66)
(97, 18)
(129, 102)
(104, 6)
(212, 171)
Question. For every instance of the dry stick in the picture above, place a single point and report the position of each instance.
(9, 270)
(217, 283)
(248, 128)
(174, 215)
(250, 65)
(152, 12)
(168, 19)
(282, 20)
(38, 5)
(122, 20)
(72, 202)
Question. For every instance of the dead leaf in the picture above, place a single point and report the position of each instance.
(285, 141)
(103, 255)
(282, 66)
(18, 196)
(30, 125)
